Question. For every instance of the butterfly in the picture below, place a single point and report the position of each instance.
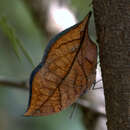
(67, 69)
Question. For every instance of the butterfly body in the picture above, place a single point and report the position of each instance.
(65, 72)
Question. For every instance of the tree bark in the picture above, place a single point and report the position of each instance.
(112, 18)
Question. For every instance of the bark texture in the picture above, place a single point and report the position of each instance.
(112, 18)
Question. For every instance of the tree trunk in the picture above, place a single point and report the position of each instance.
(112, 18)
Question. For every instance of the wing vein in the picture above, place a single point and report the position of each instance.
(67, 42)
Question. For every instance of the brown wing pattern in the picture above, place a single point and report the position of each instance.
(69, 70)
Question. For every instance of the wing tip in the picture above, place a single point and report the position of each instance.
(26, 114)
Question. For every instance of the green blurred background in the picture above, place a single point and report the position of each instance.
(13, 101)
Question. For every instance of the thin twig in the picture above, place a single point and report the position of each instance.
(14, 84)
(23, 85)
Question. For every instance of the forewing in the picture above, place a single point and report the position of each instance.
(67, 71)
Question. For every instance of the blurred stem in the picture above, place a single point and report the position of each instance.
(14, 84)
(9, 32)
(25, 52)
(15, 42)
(24, 85)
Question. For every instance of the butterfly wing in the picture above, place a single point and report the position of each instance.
(66, 71)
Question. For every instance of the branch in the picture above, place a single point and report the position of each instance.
(14, 84)
(24, 85)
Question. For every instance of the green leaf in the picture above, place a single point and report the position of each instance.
(25, 52)
(15, 42)
(9, 32)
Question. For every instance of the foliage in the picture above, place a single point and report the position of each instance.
(9, 31)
